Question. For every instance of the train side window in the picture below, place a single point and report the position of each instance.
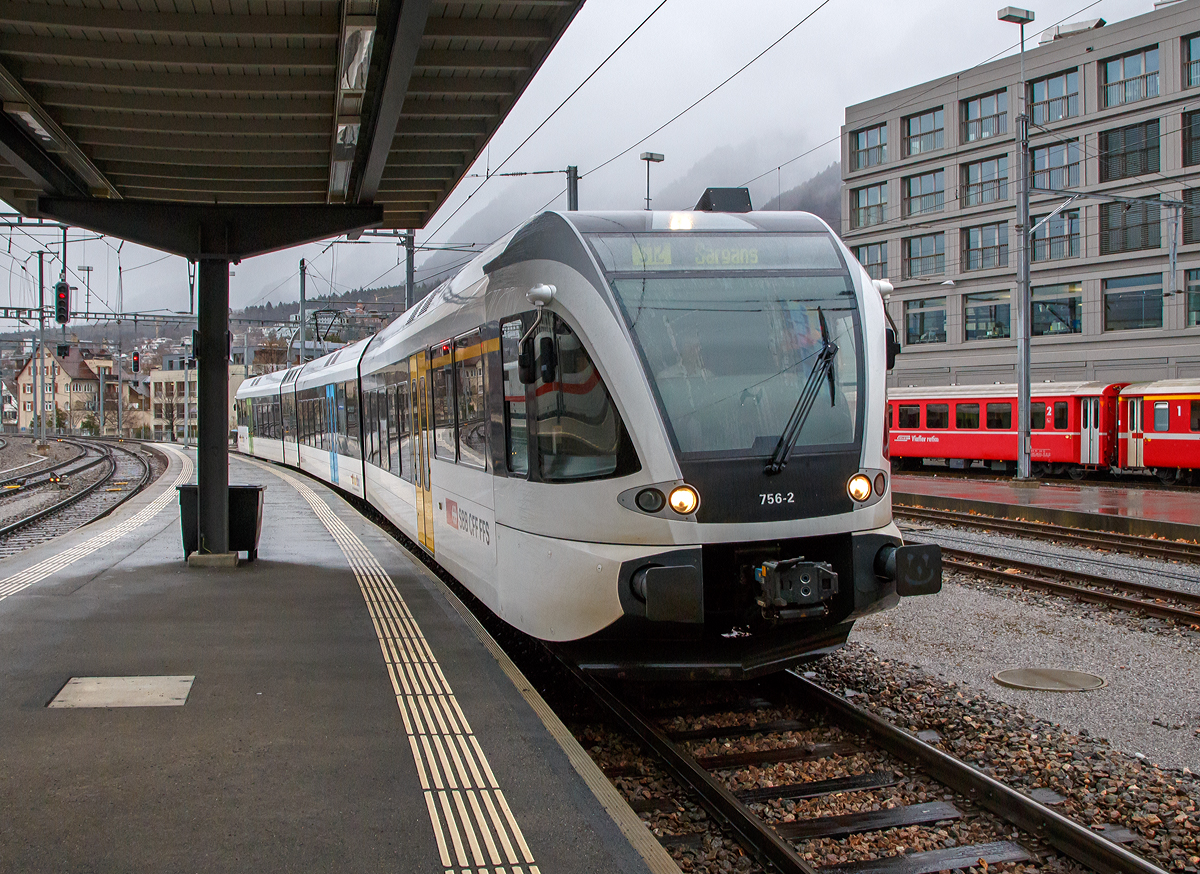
(910, 415)
(472, 416)
(966, 415)
(1037, 417)
(937, 415)
(441, 372)
(516, 429)
(999, 416)
(1060, 415)
(1195, 411)
(580, 434)
(1084, 418)
(353, 447)
(889, 418)
(385, 430)
(1162, 416)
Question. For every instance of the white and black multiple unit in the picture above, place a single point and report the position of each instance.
(655, 438)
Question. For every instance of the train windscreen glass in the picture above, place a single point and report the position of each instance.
(729, 328)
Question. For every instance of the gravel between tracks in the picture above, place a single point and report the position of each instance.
(973, 629)
(1101, 785)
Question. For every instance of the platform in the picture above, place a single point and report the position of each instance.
(1125, 509)
(326, 708)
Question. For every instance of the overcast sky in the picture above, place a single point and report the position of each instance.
(789, 102)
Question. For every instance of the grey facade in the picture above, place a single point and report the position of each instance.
(929, 202)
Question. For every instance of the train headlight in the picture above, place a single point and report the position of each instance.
(650, 500)
(859, 487)
(684, 500)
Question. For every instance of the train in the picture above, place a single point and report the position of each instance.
(653, 439)
(1076, 428)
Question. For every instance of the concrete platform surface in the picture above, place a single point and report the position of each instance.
(344, 715)
(1132, 509)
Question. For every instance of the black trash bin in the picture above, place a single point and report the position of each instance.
(245, 518)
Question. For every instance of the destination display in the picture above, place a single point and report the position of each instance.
(675, 252)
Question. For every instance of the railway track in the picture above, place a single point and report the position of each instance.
(1171, 550)
(1157, 601)
(870, 757)
(127, 471)
(25, 479)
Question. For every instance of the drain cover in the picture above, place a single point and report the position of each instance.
(1049, 680)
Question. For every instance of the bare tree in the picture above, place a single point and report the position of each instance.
(171, 414)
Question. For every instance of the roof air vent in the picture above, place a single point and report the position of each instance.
(725, 200)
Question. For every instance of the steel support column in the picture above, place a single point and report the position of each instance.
(212, 407)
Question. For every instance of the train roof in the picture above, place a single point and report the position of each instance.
(258, 386)
(338, 366)
(647, 221)
(1163, 387)
(1001, 390)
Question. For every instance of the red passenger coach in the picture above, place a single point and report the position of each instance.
(1159, 427)
(1073, 425)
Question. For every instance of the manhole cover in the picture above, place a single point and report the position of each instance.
(1049, 680)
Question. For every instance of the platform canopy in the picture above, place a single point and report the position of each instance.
(268, 102)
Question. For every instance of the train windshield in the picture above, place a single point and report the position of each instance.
(729, 329)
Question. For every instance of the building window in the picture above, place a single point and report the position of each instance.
(1133, 302)
(1058, 238)
(985, 246)
(1129, 227)
(1129, 151)
(984, 116)
(924, 132)
(925, 320)
(29, 406)
(1129, 78)
(1192, 284)
(1057, 309)
(987, 316)
(924, 193)
(1191, 217)
(1191, 61)
(1191, 138)
(1055, 166)
(868, 206)
(873, 258)
(925, 255)
(985, 181)
(1054, 97)
(868, 148)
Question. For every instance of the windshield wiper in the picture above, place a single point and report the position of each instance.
(822, 368)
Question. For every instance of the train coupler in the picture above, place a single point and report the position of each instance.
(794, 588)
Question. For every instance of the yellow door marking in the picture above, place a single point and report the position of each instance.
(453, 771)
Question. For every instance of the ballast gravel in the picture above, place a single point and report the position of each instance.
(973, 629)
(1100, 786)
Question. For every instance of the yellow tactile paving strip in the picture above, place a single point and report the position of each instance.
(473, 825)
(55, 563)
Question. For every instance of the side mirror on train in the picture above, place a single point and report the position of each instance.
(893, 347)
(525, 363)
(547, 360)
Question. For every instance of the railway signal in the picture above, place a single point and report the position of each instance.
(62, 303)
(137, 361)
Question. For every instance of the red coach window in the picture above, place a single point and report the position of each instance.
(937, 416)
(1060, 414)
(1162, 416)
(966, 415)
(1037, 417)
(910, 415)
(1196, 415)
(999, 416)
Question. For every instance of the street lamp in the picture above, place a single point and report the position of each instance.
(650, 158)
(1013, 15)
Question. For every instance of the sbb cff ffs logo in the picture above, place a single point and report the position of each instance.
(62, 303)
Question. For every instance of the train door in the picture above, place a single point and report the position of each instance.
(1133, 448)
(422, 433)
(1089, 430)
